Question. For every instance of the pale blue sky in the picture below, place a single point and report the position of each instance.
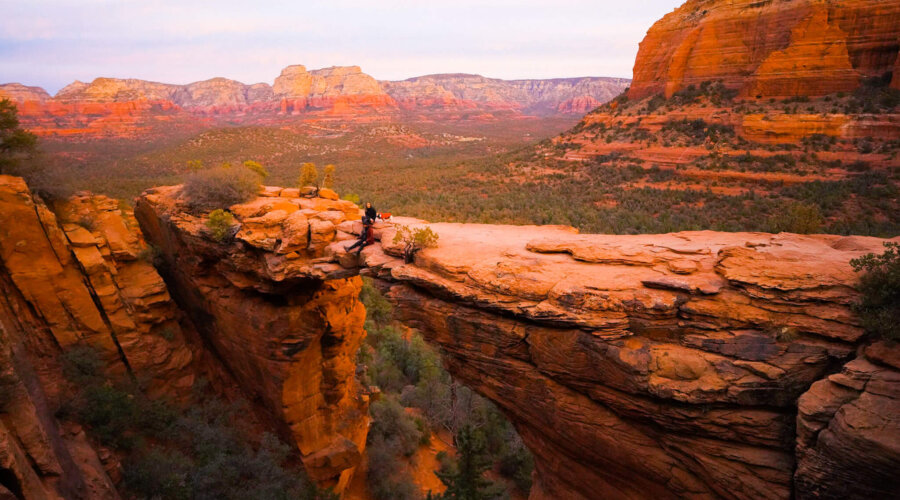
(53, 42)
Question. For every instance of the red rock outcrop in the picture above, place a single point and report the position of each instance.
(769, 49)
(288, 321)
(847, 440)
(79, 277)
(633, 366)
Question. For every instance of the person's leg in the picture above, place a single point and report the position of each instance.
(359, 243)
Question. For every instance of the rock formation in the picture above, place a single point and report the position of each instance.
(532, 96)
(79, 273)
(128, 107)
(664, 365)
(769, 49)
(79, 277)
(286, 323)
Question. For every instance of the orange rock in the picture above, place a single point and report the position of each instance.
(768, 49)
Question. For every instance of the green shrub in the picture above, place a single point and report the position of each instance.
(879, 286)
(351, 197)
(219, 224)
(82, 364)
(378, 309)
(309, 176)
(256, 168)
(802, 218)
(414, 240)
(220, 188)
(391, 422)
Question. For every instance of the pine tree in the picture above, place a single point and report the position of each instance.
(466, 480)
(15, 142)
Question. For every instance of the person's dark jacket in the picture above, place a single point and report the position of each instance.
(371, 214)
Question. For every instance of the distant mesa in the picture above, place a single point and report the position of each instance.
(129, 106)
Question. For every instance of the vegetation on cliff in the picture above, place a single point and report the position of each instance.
(879, 307)
(421, 400)
(210, 450)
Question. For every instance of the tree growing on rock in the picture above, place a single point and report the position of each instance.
(219, 224)
(256, 168)
(16, 143)
(309, 176)
(414, 240)
(328, 177)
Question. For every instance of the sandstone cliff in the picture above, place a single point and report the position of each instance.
(565, 95)
(287, 325)
(769, 49)
(80, 274)
(664, 365)
(67, 280)
(129, 107)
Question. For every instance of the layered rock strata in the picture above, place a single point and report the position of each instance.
(77, 278)
(664, 365)
(285, 321)
(769, 49)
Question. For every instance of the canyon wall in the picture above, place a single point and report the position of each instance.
(78, 273)
(64, 285)
(770, 48)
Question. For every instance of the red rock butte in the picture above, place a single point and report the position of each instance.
(770, 49)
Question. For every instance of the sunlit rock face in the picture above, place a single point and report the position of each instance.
(769, 49)
(75, 275)
(285, 322)
(666, 365)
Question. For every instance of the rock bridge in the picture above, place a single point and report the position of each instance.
(695, 364)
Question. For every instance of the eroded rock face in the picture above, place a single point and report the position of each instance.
(633, 366)
(287, 320)
(769, 49)
(847, 429)
(79, 277)
(663, 365)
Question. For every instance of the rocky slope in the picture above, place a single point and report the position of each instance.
(769, 49)
(666, 365)
(743, 95)
(80, 274)
(130, 106)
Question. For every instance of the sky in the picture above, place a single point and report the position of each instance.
(50, 43)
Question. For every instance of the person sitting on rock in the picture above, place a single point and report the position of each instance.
(366, 236)
(371, 214)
